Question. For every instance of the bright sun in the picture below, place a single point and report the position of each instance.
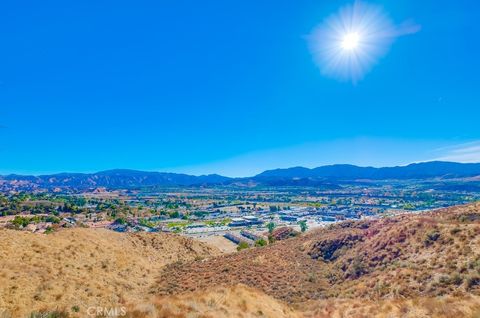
(350, 41)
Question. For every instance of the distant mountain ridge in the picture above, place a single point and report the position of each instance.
(424, 170)
(322, 176)
(118, 178)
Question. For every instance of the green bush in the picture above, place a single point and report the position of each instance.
(260, 242)
(242, 245)
(52, 219)
(120, 221)
(20, 221)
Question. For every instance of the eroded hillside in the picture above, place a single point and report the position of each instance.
(416, 255)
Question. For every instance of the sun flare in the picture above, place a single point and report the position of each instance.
(350, 41)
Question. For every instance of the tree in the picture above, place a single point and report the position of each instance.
(274, 208)
(52, 219)
(120, 221)
(20, 222)
(174, 214)
(270, 227)
(303, 225)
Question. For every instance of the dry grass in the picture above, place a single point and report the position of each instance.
(418, 265)
(440, 307)
(85, 267)
(232, 302)
(242, 301)
(426, 255)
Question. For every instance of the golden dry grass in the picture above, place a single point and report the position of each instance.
(231, 302)
(409, 256)
(243, 301)
(439, 307)
(85, 267)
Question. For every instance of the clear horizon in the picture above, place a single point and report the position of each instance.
(232, 176)
(235, 89)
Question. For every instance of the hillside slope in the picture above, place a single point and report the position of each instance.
(408, 256)
(246, 302)
(411, 265)
(85, 267)
(226, 302)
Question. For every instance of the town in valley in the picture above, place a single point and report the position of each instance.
(226, 216)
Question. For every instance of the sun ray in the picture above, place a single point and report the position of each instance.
(348, 44)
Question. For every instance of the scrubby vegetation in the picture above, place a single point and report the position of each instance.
(430, 254)
(242, 245)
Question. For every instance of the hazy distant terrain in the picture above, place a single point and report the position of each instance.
(326, 177)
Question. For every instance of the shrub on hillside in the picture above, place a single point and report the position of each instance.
(260, 242)
(242, 245)
(49, 314)
(455, 231)
(356, 269)
(431, 237)
(472, 281)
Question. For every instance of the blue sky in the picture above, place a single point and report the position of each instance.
(228, 87)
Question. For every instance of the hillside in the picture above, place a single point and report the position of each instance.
(412, 256)
(226, 302)
(411, 265)
(379, 258)
(85, 267)
(247, 302)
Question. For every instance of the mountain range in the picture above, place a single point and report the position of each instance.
(301, 176)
